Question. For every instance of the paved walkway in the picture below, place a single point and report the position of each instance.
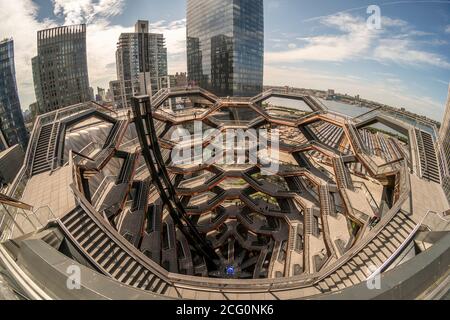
(427, 196)
(48, 190)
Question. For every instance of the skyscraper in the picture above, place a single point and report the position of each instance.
(225, 46)
(141, 61)
(101, 94)
(445, 143)
(60, 69)
(117, 96)
(12, 125)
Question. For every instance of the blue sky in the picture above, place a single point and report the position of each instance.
(317, 44)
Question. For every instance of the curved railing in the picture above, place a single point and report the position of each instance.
(18, 186)
(164, 94)
(266, 285)
(298, 282)
(405, 193)
(273, 285)
(48, 118)
(400, 249)
(363, 187)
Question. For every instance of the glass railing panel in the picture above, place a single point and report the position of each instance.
(16, 222)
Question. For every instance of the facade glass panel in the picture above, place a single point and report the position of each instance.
(60, 69)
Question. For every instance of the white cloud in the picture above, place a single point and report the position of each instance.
(101, 48)
(274, 4)
(354, 40)
(446, 83)
(175, 34)
(102, 37)
(447, 29)
(86, 11)
(402, 52)
(395, 43)
(390, 22)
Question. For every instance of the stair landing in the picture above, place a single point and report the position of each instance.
(52, 190)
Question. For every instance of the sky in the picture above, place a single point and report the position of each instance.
(319, 44)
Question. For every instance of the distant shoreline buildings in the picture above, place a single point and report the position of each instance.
(330, 94)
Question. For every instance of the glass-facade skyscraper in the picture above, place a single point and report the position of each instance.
(225, 46)
(12, 125)
(60, 70)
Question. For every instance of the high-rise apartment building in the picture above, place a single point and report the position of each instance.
(141, 61)
(445, 143)
(91, 94)
(34, 110)
(101, 95)
(12, 124)
(117, 97)
(225, 46)
(60, 69)
(180, 79)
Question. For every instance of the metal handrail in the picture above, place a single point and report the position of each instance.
(358, 212)
(388, 217)
(28, 162)
(83, 150)
(159, 94)
(275, 91)
(324, 193)
(55, 124)
(51, 216)
(177, 117)
(129, 142)
(26, 170)
(41, 120)
(365, 114)
(364, 187)
(27, 214)
(337, 115)
(157, 98)
(105, 108)
(298, 120)
(351, 212)
(13, 188)
(100, 186)
(377, 169)
(397, 252)
(33, 290)
(302, 281)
